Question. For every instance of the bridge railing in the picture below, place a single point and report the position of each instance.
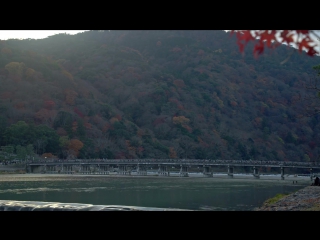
(176, 161)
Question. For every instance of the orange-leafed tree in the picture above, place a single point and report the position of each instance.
(70, 97)
(30, 73)
(74, 146)
(16, 68)
(172, 153)
(45, 116)
(67, 74)
(180, 120)
(49, 155)
(74, 126)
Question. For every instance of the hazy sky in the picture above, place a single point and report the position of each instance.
(36, 34)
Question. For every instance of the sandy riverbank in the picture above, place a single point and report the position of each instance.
(299, 180)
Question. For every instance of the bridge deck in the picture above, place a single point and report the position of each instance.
(233, 163)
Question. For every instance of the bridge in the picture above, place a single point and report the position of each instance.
(162, 167)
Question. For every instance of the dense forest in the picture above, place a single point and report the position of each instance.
(155, 94)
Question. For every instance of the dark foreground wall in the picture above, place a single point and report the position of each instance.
(9, 205)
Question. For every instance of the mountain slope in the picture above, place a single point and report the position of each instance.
(157, 94)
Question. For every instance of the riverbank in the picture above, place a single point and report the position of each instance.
(290, 179)
(306, 199)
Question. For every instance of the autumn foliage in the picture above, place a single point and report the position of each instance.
(273, 38)
(159, 94)
(75, 145)
(48, 155)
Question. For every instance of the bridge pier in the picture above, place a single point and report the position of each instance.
(184, 171)
(207, 171)
(163, 170)
(141, 170)
(256, 172)
(92, 169)
(123, 170)
(230, 171)
(44, 169)
(85, 169)
(282, 173)
(105, 170)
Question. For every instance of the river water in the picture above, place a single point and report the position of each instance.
(219, 193)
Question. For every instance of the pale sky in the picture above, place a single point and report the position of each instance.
(35, 34)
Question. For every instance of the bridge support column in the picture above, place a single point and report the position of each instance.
(163, 170)
(123, 170)
(106, 170)
(256, 172)
(230, 171)
(282, 173)
(44, 169)
(92, 169)
(207, 171)
(141, 170)
(184, 171)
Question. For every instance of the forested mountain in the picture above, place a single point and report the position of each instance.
(155, 94)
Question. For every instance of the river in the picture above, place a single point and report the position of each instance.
(218, 193)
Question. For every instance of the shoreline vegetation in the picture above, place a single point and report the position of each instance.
(305, 199)
(275, 199)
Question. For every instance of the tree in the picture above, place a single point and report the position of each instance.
(21, 152)
(273, 38)
(74, 146)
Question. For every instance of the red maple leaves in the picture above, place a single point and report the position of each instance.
(274, 38)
